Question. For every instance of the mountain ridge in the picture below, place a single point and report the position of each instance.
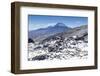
(77, 31)
(48, 31)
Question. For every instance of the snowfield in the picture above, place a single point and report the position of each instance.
(58, 49)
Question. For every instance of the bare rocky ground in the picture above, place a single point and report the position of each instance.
(59, 48)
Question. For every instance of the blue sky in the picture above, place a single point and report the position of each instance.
(43, 21)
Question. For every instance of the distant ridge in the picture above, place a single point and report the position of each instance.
(43, 33)
(81, 31)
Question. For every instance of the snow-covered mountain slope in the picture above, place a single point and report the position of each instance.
(62, 46)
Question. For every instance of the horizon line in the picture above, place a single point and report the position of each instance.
(55, 25)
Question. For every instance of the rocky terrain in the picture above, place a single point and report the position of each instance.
(60, 46)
